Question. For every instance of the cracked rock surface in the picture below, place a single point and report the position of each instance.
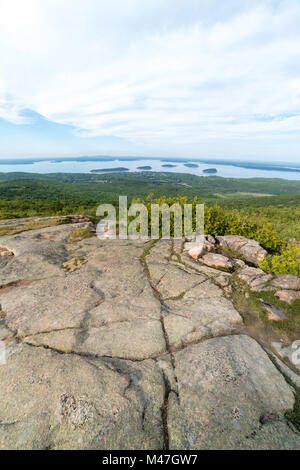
(226, 389)
(137, 349)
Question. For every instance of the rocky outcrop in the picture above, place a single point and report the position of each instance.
(224, 252)
(229, 397)
(136, 348)
(256, 279)
(216, 260)
(286, 281)
(60, 401)
(196, 249)
(250, 250)
(259, 281)
(288, 296)
(44, 221)
(274, 313)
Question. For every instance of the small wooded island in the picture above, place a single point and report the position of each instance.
(146, 167)
(211, 171)
(168, 165)
(191, 165)
(109, 170)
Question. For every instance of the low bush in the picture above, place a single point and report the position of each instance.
(220, 221)
(288, 262)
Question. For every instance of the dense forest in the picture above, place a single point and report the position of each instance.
(260, 200)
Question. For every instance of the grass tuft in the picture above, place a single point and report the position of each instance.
(80, 234)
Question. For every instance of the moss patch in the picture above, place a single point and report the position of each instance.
(80, 234)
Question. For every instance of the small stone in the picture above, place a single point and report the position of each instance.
(6, 252)
(288, 296)
(255, 278)
(228, 291)
(198, 248)
(197, 251)
(223, 280)
(286, 281)
(249, 249)
(274, 313)
(210, 239)
(209, 247)
(217, 261)
(238, 263)
(269, 418)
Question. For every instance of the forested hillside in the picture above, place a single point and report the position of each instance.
(265, 201)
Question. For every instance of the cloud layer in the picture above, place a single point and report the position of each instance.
(179, 76)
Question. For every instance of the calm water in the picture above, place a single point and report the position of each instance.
(226, 171)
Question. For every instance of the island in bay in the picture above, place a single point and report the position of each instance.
(110, 170)
(191, 165)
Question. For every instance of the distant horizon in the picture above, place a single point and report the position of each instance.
(108, 163)
(97, 157)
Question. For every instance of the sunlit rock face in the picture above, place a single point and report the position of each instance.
(129, 345)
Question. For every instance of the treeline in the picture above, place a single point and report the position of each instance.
(272, 220)
(67, 186)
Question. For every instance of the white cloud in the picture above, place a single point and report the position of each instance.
(173, 74)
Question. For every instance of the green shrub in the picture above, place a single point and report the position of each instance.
(288, 262)
(220, 221)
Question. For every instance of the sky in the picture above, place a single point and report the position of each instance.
(186, 78)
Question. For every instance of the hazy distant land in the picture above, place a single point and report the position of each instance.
(113, 164)
(280, 166)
